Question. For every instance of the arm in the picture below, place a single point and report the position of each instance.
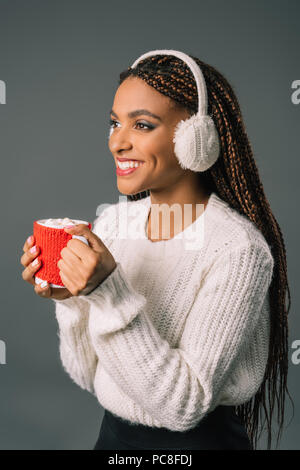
(178, 386)
(77, 353)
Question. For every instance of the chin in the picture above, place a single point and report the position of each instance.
(127, 192)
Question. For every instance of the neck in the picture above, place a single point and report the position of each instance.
(165, 222)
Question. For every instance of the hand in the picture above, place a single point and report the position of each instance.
(28, 273)
(82, 267)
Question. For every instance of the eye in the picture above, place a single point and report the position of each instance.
(143, 124)
(112, 122)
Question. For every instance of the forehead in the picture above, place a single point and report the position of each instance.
(135, 93)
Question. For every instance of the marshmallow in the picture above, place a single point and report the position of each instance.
(59, 222)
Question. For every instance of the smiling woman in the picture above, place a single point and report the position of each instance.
(181, 346)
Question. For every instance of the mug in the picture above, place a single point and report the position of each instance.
(51, 239)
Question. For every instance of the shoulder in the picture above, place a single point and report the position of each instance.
(233, 231)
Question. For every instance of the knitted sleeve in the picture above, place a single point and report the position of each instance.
(77, 354)
(178, 386)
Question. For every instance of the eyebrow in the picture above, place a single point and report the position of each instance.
(138, 112)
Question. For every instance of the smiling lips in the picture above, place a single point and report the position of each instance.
(128, 159)
(125, 168)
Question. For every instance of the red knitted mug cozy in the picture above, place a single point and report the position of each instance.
(51, 241)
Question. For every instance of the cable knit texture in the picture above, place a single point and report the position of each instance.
(173, 331)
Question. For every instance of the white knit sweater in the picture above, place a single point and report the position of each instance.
(172, 332)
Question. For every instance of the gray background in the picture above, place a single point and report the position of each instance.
(61, 62)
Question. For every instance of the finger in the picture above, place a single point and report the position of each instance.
(29, 255)
(60, 293)
(29, 242)
(71, 257)
(29, 272)
(70, 271)
(43, 290)
(83, 252)
(71, 264)
(83, 230)
(68, 283)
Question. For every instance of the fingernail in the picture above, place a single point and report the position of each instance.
(44, 284)
(29, 239)
(35, 262)
(33, 249)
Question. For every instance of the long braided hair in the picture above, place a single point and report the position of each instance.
(234, 178)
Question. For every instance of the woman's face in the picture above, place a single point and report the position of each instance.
(145, 138)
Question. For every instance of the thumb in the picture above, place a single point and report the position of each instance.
(84, 231)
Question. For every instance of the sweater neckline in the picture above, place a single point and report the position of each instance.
(166, 248)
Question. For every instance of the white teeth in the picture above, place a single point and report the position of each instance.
(130, 164)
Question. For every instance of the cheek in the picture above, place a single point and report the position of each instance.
(159, 147)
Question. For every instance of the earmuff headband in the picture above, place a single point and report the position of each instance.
(195, 69)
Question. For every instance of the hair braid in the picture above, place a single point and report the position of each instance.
(234, 178)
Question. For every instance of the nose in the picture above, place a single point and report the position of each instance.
(119, 140)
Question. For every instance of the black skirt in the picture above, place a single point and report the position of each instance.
(219, 430)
